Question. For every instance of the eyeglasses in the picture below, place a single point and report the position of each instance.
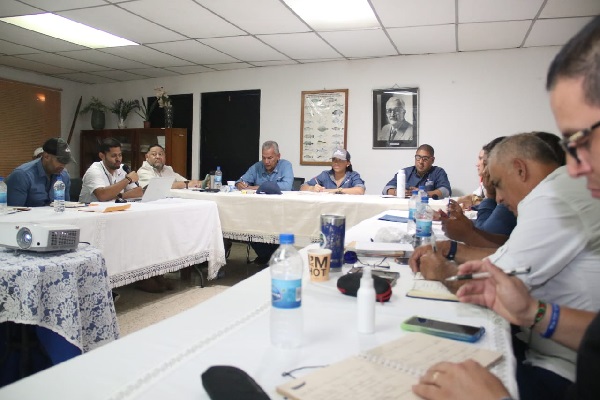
(393, 110)
(424, 158)
(380, 264)
(578, 139)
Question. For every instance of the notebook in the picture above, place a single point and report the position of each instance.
(431, 290)
(385, 372)
(157, 189)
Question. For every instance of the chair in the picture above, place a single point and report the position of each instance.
(75, 188)
(297, 183)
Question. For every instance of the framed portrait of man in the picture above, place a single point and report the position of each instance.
(396, 118)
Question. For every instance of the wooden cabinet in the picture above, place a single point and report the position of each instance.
(135, 144)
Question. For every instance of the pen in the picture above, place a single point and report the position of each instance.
(481, 275)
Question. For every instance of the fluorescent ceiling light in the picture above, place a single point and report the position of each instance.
(323, 15)
(70, 31)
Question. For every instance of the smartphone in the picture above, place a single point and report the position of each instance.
(448, 330)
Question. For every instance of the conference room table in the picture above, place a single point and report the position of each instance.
(146, 240)
(166, 360)
(247, 216)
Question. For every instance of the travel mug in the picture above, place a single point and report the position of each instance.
(333, 232)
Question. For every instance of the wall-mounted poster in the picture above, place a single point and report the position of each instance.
(323, 125)
(396, 118)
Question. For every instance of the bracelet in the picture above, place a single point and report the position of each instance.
(553, 321)
(452, 253)
(129, 179)
(540, 313)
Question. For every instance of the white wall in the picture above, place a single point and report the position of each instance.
(466, 100)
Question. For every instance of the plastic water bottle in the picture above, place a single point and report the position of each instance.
(286, 294)
(218, 178)
(365, 298)
(411, 227)
(59, 195)
(401, 184)
(422, 192)
(424, 222)
(3, 196)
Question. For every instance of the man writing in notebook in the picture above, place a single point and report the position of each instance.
(155, 167)
(575, 99)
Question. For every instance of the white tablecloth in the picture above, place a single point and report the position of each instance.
(66, 292)
(261, 218)
(167, 359)
(146, 240)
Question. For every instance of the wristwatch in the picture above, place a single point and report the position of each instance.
(129, 179)
(452, 253)
(339, 191)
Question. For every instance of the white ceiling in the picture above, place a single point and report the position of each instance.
(193, 36)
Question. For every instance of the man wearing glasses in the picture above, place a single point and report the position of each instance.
(424, 173)
(398, 131)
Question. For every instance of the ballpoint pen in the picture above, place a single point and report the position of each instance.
(481, 275)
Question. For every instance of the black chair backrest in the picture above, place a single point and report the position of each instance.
(75, 188)
(297, 183)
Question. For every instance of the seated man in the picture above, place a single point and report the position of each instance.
(554, 236)
(154, 167)
(273, 169)
(105, 180)
(31, 184)
(425, 174)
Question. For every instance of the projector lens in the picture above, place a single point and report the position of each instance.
(24, 238)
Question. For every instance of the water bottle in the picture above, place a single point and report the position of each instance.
(3, 190)
(401, 184)
(286, 268)
(59, 195)
(412, 210)
(365, 298)
(422, 192)
(424, 221)
(218, 178)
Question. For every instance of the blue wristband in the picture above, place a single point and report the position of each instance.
(553, 321)
(452, 252)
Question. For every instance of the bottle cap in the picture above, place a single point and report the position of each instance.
(286, 238)
(422, 187)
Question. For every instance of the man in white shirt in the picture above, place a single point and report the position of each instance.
(106, 180)
(154, 167)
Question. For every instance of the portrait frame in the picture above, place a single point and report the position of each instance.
(323, 125)
(399, 135)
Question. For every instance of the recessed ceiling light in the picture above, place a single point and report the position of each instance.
(70, 31)
(323, 15)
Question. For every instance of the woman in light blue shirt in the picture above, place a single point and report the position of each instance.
(340, 179)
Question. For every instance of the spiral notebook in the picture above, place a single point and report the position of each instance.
(385, 372)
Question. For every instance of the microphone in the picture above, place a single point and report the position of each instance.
(128, 170)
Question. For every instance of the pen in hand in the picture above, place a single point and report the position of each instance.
(481, 275)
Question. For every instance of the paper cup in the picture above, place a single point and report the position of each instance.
(319, 262)
(231, 185)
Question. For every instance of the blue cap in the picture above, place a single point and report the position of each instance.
(268, 188)
(286, 238)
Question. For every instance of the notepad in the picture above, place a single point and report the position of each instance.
(431, 290)
(387, 371)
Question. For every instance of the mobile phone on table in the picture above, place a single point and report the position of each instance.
(449, 330)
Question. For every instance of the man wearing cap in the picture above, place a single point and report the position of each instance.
(271, 168)
(424, 173)
(340, 179)
(398, 130)
(31, 184)
(105, 180)
(37, 153)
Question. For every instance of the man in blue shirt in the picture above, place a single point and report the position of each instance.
(425, 174)
(31, 184)
(272, 168)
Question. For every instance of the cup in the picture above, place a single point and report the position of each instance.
(333, 233)
(231, 185)
(319, 261)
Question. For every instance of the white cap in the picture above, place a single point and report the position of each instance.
(37, 152)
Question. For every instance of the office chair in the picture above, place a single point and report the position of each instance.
(297, 183)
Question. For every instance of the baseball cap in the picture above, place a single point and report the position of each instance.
(59, 148)
(268, 187)
(37, 152)
(341, 154)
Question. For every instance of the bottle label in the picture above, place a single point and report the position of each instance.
(286, 293)
(411, 213)
(218, 178)
(3, 197)
(59, 195)
(423, 227)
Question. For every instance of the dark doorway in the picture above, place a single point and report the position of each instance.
(229, 132)
(183, 117)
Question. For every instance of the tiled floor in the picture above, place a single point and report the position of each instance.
(137, 309)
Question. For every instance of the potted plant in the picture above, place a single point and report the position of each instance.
(122, 108)
(145, 111)
(98, 109)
